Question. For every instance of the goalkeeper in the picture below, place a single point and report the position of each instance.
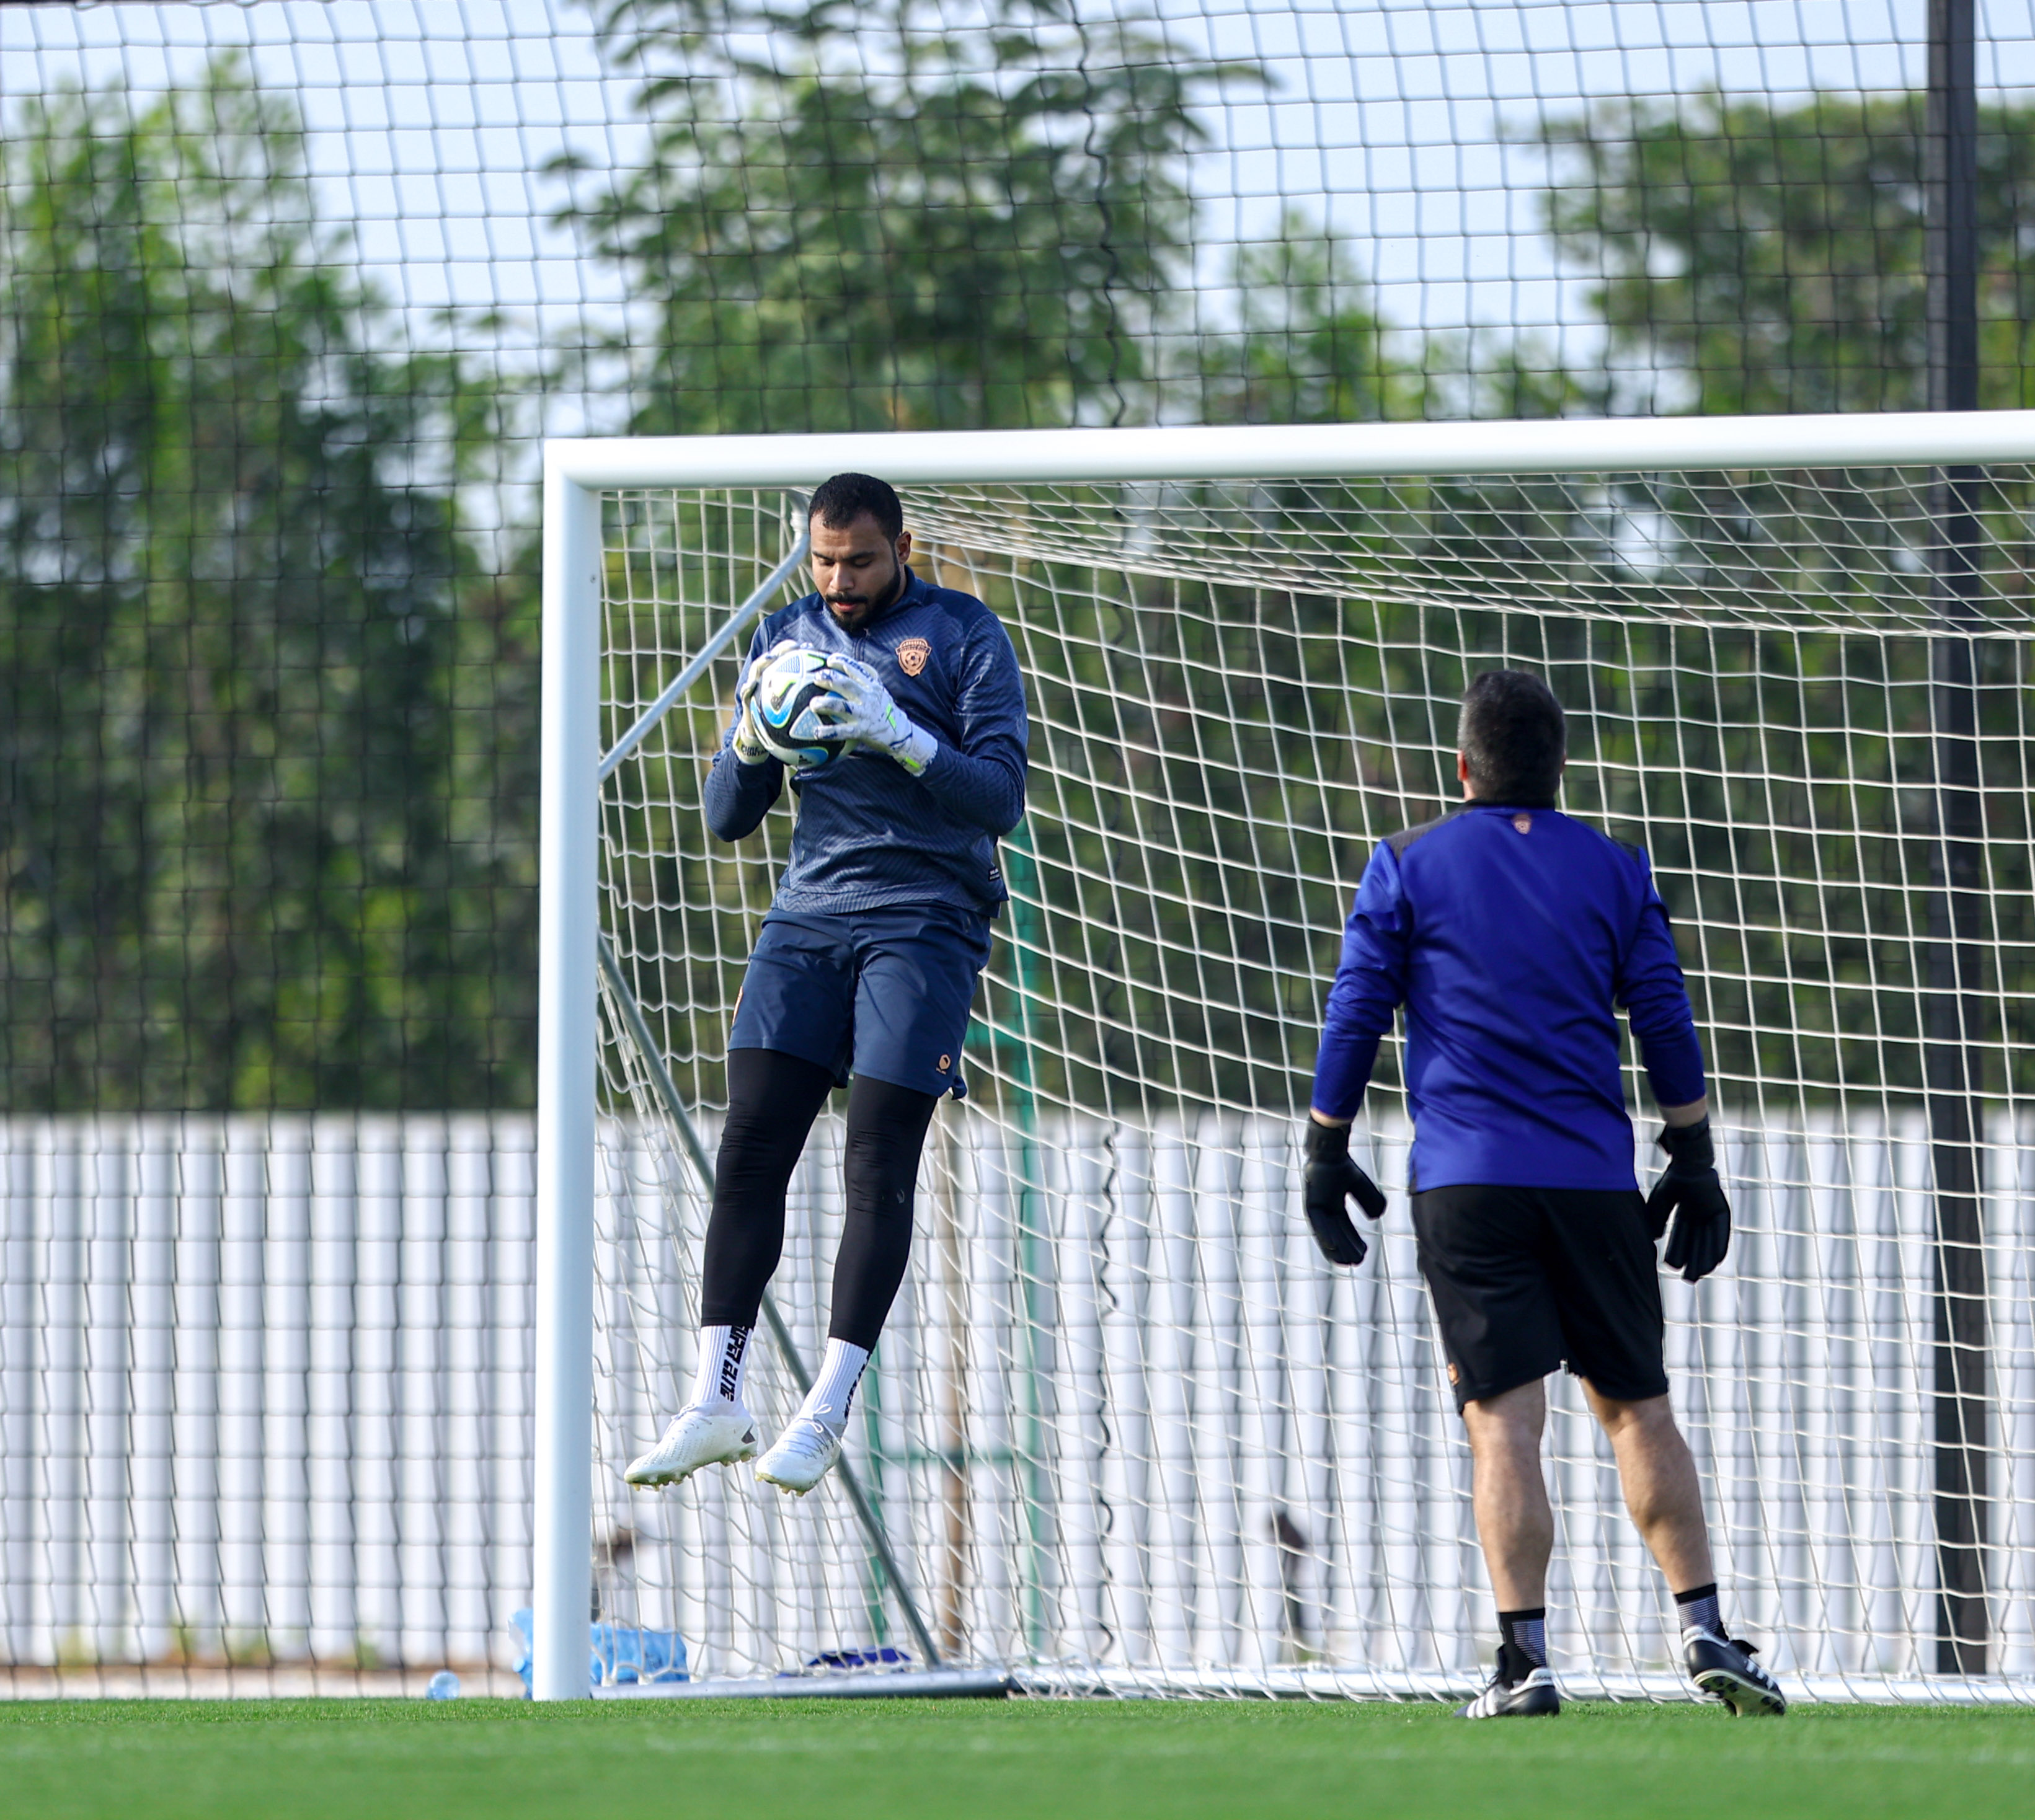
(866, 965)
(1509, 932)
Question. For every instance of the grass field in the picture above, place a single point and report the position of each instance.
(894, 1760)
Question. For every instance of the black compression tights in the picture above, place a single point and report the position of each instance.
(772, 1099)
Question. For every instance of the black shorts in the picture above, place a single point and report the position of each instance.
(1525, 1280)
(885, 992)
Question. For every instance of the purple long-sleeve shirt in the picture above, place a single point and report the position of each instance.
(1512, 935)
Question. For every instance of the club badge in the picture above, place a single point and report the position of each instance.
(912, 655)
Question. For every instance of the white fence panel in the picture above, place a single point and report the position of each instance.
(265, 1396)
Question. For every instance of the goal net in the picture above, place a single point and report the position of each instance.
(1126, 1430)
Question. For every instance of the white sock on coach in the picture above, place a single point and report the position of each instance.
(833, 1390)
(723, 1361)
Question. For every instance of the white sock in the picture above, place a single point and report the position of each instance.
(724, 1359)
(833, 1390)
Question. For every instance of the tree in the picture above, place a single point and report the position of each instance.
(1747, 258)
(259, 696)
(875, 223)
(1770, 258)
(1309, 348)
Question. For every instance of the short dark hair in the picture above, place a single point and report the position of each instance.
(838, 502)
(1515, 735)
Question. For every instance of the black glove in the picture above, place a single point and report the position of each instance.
(1689, 1189)
(1332, 1180)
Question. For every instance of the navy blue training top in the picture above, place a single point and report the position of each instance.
(869, 833)
(1509, 934)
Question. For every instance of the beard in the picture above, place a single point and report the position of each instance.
(850, 606)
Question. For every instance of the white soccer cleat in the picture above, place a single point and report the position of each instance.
(804, 1454)
(702, 1435)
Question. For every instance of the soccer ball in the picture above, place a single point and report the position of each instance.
(785, 712)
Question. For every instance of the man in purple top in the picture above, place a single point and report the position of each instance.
(1511, 934)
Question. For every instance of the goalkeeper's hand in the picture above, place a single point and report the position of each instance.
(748, 746)
(859, 712)
(1333, 1181)
(1689, 1190)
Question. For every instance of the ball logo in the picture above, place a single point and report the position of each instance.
(1523, 823)
(946, 1062)
(912, 655)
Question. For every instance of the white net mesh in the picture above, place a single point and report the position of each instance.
(1125, 1427)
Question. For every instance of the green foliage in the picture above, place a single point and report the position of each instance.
(1770, 258)
(855, 219)
(1309, 348)
(1216, 750)
(268, 827)
(261, 696)
(1213, 761)
(1783, 783)
(1196, 828)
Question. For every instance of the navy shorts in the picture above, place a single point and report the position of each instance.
(884, 993)
(1525, 1280)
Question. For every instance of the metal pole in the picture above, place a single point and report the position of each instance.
(1954, 1026)
(568, 918)
(1301, 451)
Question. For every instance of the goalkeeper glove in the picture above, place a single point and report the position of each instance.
(748, 746)
(1689, 1189)
(860, 713)
(1332, 1180)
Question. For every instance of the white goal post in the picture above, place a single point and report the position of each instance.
(1155, 1445)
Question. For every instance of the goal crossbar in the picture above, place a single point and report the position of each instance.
(1303, 451)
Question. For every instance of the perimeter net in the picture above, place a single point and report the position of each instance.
(1126, 1428)
(293, 292)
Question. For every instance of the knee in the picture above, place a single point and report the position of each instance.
(1510, 1425)
(755, 1154)
(886, 1131)
(1649, 1421)
(745, 1139)
(879, 1182)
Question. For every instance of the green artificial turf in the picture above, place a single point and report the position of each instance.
(894, 1760)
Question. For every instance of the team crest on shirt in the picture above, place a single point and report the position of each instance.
(1523, 823)
(912, 655)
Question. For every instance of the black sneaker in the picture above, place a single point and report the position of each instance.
(1520, 1689)
(1726, 1672)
